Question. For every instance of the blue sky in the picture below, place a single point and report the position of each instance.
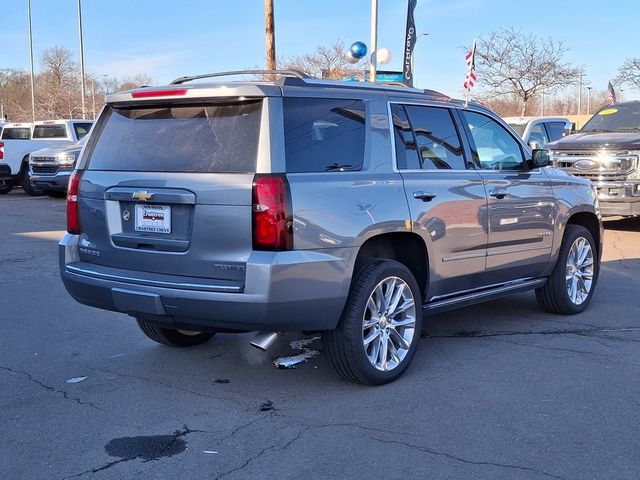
(169, 38)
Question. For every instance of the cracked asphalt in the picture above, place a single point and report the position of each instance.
(497, 391)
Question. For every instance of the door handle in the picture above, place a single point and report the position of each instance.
(498, 193)
(424, 196)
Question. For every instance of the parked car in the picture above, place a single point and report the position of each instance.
(20, 139)
(308, 205)
(50, 168)
(540, 130)
(607, 152)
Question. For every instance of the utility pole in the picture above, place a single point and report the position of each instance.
(33, 77)
(374, 41)
(270, 31)
(84, 110)
(580, 94)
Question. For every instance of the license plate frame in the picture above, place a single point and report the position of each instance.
(152, 219)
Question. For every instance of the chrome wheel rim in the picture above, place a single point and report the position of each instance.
(389, 323)
(579, 272)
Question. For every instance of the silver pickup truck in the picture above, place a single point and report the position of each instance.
(306, 205)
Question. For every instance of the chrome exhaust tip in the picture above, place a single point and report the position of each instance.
(264, 340)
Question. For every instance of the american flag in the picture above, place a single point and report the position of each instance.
(470, 79)
(611, 94)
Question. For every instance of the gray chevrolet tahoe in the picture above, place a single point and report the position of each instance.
(297, 204)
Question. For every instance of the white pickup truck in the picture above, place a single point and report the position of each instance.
(18, 140)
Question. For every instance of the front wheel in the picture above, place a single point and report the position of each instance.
(5, 187)
(172, 337)
(571, 284)
(25, 183)
(379, 331)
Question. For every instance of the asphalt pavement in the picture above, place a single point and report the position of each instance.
(496, 391)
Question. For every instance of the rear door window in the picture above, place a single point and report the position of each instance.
(437, 139)
(16, 133)
(81, 129)
(50, 131)
(198, 138)
(406, 151)
(556, 130)
(323, 134)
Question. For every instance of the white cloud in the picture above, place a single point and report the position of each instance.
(121, 65)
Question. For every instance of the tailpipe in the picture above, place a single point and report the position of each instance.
(264, 340)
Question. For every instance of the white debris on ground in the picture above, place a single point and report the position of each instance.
(292, 360)
(76, 379)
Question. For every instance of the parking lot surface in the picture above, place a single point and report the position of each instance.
(496, 391)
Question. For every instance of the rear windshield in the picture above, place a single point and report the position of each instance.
(21, 133)
(203, 138)
(50, 131)
(323, 135)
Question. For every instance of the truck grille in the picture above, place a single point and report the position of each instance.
(43, 159)
(46, 169)
(597, 166)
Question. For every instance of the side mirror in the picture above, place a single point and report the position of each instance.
(540, 158)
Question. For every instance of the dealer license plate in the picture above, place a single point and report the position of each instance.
(153, 218)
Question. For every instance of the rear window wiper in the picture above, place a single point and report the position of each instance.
(596, 130)
(338, 167)
(629, 129)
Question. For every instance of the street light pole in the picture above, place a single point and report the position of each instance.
(423, 34)
(374, 41)
(82, 92)
(33, 81)
(580, 94)
(589, 100)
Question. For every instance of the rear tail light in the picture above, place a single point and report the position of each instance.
(159, 93)
(272, 218)
(73, 215)
(1, 150)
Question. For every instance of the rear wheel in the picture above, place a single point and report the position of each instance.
(571, 284)
(379, 331)
(172, 337)
(5, 187)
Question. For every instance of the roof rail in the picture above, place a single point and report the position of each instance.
(286, 73)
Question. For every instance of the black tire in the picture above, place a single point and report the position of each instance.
(25, 182)
(554, 296)
(5, 187)
(173, 338)
(345, 345)
(55, 193)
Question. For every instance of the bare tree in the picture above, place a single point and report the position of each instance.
(58, 63)
(325, 62)
(512, 63)
(629, 72)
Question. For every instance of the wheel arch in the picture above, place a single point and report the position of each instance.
(591, 222)
(407, 248)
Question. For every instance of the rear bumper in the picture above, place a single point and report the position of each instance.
(58, 181)
(284, 291)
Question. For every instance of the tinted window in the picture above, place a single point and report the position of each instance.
(50, 131)
(438, 143)
(406, 152)
(211, 138)
(538, 134)
(22, 133)
(323, 135)
(494, 147)
(81, 129)
(519, 128)
(556, 130)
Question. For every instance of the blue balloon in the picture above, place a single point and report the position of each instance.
(358, 49)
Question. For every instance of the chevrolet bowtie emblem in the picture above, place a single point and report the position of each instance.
(144, 196)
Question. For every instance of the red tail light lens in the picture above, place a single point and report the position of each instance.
(1, 150)
(272, 218)
(73, 216)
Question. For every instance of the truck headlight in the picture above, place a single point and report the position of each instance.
(66, 160)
